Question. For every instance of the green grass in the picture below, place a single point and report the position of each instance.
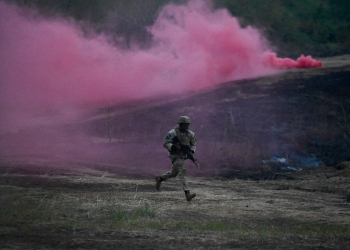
(27, 208)
(24, 207)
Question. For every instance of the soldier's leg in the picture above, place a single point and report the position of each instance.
(183, 179)
(174, 169)
(170, 174)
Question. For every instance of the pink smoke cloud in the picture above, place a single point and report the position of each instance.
(50, 64)
(287, 63)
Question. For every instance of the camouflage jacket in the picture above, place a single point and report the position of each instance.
(187, 138)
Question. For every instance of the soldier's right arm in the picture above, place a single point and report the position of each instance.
(168, 143)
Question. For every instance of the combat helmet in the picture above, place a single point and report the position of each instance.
(184, 119)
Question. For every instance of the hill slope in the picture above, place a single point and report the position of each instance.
(297, 114)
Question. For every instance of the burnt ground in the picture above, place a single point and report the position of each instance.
(58, 196)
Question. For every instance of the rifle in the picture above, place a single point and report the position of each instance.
(186, 149)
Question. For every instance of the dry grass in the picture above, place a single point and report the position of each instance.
(223, 209)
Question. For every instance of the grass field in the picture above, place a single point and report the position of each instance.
(97, 210)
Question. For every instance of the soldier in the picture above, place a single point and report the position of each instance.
(177, 156)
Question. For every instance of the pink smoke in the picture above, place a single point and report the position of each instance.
(209, 47)
(287, 63)
(50, 65)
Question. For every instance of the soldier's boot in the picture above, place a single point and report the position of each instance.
(189, 196)
(159, 180)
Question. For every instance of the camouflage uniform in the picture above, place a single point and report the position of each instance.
(178, 157)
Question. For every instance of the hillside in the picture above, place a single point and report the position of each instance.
(298, 115)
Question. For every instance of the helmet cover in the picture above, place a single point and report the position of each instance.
(184, 119)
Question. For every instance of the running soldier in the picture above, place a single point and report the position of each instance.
(177, 156)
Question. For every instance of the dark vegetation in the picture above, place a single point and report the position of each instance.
(319, 27)
(294, 27)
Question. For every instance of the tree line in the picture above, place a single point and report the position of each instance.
(321, 27)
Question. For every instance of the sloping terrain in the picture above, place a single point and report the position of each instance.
(59, 193)
(299, 115)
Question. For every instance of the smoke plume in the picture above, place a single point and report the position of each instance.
(50, 67)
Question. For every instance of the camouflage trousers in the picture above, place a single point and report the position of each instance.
(178, 169)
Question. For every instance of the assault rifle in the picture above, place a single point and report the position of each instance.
(186, 149)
